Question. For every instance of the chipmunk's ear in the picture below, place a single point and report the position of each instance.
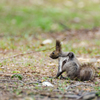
(58, 46)
(71, 55)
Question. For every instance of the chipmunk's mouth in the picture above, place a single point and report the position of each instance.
(53, 57)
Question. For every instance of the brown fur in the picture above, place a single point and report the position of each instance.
(58, 46)
(55, 54)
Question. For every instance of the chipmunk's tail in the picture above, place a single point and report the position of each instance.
(87, 72)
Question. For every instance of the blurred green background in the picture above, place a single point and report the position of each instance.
(19, 17)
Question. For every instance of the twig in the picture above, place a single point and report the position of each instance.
(73, 96)
(9, 81)
(64, 26)
(71, 86)
(32, 83)
(22, 54)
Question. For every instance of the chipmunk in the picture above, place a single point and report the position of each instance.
(68, 62)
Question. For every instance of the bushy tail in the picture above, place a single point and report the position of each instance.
(87, 72)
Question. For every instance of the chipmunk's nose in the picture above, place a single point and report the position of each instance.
(50, 56)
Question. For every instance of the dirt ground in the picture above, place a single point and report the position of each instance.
(35, 67)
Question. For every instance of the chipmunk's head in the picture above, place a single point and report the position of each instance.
(56, 53)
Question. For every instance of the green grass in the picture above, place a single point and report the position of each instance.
(18, 18)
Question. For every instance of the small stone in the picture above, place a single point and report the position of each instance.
(47, 41)
(47, 84)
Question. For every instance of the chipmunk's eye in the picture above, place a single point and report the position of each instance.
(53, 53)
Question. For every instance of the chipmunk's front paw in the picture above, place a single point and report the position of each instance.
(61, 77)
(56, 77)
